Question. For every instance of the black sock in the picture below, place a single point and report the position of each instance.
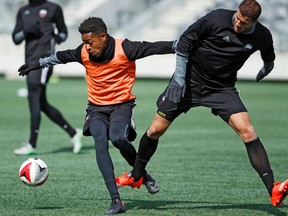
(70, 130)
(33, 136)
(259, 161)
(146, 150)
(147, 147)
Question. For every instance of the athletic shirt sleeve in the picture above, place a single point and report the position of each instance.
(137, 50)
(267, 50)
(60, 23)
(17, 34)
(71, 55)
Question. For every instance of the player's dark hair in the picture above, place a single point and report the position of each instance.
(94, 25)
(250, 8)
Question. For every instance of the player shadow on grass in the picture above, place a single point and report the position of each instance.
(68, 150)
(190, 205)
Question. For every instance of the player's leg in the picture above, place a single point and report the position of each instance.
(56, 116)
(240, 122)
(167, 112)
(148, 144)
(34, 94)
(229, 106)
(122, 133)
(258, 157)
(99, 130)
(34, 98)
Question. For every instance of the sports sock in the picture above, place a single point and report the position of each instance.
(147, 147)
(259, 161)
(146, 150)
(33, 136)
(69, 129)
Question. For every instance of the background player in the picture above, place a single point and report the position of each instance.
(35, 24)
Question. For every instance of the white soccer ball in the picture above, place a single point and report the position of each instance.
(33, 172)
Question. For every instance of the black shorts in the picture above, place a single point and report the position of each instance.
(118, 112)
(223, 102)
(40, 76)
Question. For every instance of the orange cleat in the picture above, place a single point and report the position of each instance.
(128, 180)
(279, 192)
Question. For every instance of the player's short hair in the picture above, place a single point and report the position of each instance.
(94, 25)
(250, 8)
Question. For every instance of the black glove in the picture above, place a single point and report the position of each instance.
(58, 39)
(26, 68)
(174, 91)
(261, 74)
(32, 31)
(264, 71)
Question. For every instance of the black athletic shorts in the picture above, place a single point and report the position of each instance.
(118, 112)
(223, 102)
(40, 76)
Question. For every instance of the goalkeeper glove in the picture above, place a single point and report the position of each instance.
(174, 91)
(264, 71)
(26, 68)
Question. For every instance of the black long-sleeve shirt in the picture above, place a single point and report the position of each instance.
(216, 52)
(133, 50)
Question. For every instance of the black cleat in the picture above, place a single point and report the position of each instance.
(151, 185)
(116, 207)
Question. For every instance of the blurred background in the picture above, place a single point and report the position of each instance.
(149, 20)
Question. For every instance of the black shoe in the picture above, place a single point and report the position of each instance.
(151, 185)
(116, 207)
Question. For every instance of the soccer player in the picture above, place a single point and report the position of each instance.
(208, 55)
(35, 23)
(110, 74)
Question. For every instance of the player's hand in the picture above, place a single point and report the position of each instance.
(265, 70)
(174, 91)
(26, 68)
(261, 74)
(58, 39)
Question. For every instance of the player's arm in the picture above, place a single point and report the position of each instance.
(61, 57)
(268, 57)
(188, 41)
(175, 88)
(61, 26)
(18, 33)
(137, 50)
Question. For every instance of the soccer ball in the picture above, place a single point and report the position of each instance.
(33, 172)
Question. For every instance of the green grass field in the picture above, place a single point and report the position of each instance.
(201, 163)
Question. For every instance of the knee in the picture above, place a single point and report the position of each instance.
(118, 140)
(101, 144)
(155, 132)
(248, 133)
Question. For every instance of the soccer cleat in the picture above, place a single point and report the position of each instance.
(151, 185)
(26, 149)
(116, 207)
(128, 180)
(279, 192)
(76, 141)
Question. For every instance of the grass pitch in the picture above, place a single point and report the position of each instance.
(201, 164)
